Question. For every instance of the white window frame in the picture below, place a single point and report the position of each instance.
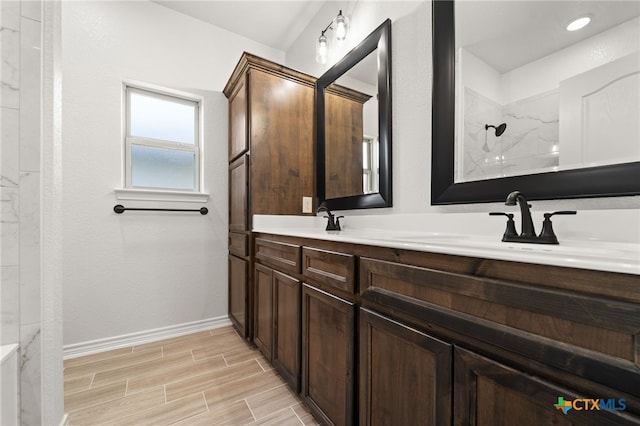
(370, 150)
(131, 192)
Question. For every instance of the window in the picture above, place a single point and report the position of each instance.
(370, 170)
(162, 140)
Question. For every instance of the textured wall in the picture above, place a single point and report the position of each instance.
(140, 270)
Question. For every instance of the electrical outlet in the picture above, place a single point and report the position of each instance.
(307, 205)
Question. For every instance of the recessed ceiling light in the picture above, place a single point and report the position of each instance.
(576, 24)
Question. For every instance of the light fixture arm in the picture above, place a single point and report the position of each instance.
(326, 29)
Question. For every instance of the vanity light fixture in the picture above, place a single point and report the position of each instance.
(322, 49)
(340, 25)
(578, 23)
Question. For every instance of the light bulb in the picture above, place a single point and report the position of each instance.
(342, 26)
(579, 23)
(322, 49)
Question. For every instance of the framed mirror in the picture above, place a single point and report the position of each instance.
(473, 131)
(353, 127)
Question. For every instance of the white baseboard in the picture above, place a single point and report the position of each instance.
(102, 345)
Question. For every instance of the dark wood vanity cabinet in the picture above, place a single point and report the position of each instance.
(396, 357)
(392, 336)
(277, 321)
(328, 350)
(492, 394)
(263, 310)
(277, 306)
(271, 116)
(238, 296)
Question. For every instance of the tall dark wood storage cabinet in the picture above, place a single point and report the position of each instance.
(271, 168)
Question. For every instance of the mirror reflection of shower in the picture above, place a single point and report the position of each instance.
(499, 131)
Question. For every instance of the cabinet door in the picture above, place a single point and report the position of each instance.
(238, 194)
(238, 120)
(263, 310)
(405, 375)
(286, 349)
(238, 294)
(282, 117)
(328, 333)
(343, 171)
(489, 393)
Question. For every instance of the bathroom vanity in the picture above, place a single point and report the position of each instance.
(373, 329)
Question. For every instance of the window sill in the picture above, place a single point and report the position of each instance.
(161, 195)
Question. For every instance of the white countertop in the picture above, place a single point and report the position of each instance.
(621, 257)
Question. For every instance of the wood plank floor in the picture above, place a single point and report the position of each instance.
(208, 378)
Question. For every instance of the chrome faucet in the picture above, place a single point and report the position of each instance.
(333, 224)
(527, 229)
(528, 233)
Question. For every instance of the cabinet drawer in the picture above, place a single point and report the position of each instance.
(239, 244)
(282, 256)
(329, 268)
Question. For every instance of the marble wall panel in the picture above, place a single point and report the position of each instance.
(31, 9)
(10, 14)
(530, 142)
(481, 149)
(10, 147)
(10, 65)
(10, 305)
(30, 95)
(30, 375)
(20, 72)
(29, 247)
(9, 225)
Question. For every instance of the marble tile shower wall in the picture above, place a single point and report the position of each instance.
(20, 72)
(530, 143)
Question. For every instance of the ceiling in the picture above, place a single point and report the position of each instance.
(505, 34)
(276, 24)
(509, 34)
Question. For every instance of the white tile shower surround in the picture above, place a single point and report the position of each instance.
(531, 141)
(20, 195)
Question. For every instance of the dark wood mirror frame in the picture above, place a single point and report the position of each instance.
(602, 181)
(379, 39)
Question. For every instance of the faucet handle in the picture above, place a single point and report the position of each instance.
(561, 212)
(547, 235)
(510, 231)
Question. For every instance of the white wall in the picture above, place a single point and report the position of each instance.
(140, 270)
(545, 73)
(412, 91)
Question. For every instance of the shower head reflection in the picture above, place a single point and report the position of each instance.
(499, 130)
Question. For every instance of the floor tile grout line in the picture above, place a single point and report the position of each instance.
(296, 414)
(206, 404)
(106, 421)
(121, 366)
(101, 360)
(277, 379)
(208, 371)
(171, 380)
(250, 410)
